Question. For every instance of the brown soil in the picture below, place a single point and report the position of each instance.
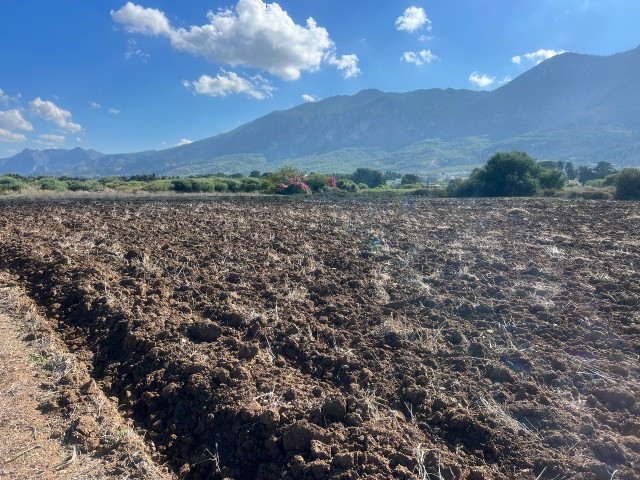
(409, 338)
(41, 439)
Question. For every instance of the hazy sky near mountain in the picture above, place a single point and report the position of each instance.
(122, 76)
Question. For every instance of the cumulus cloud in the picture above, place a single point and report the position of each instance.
(253, 33)
(9, 136)
(94, 105)
(308, 98)
(137, 19)
(183, 141)
(113, 111)
(419, 58)
(481, 80)
(412, 19)
(13, 120)
(229, 83)
(54, 114)
(538, 56)
(347, 64)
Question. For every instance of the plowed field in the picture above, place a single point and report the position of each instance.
(274, 339)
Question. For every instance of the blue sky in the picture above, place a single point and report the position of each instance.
(122, 76)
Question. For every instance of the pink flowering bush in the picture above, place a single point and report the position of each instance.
(293, 186)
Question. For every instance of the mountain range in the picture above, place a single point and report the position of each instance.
(577, 107)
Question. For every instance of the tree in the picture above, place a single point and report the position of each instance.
(570, 171)
(410, 179)
(508, 174)
(601, 170)
(372, 178)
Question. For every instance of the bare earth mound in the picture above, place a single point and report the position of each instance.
(275, 339)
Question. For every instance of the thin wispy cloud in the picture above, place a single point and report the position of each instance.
(133, 51)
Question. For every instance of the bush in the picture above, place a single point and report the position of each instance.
(9, 183)
(251, 184)
(293, 186)
(347, 185)
(51, 184)
(88, 185)
(158, 186)
(193, 185)
(508, 174)
(628, 184)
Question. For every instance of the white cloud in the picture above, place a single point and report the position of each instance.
(134, 51)
(78, 139)
(308, 98)
(481, 80)
(49, 138)
(505, 80)
(13, 120)
(94, 105)
(137, 19)
(113, 111)
(253, 33)
(228, 83)
(4, 98)
(183, 141)
(348, 64)
(8, 136)
(419, 58)
(412, 19)
(54, 114)
(538, 56)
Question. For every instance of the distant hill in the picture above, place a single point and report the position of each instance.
(576, 107)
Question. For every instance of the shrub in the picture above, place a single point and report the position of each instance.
(628, 184)
(158, 186)
(220, 187)
(347, 185)
(51, 184)
(293, 186)
(88, 185)
(508, 174)
(9, 183)
(251, 184)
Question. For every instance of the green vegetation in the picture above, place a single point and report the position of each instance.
(506, 174)
(509, 174)
(627, 183)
